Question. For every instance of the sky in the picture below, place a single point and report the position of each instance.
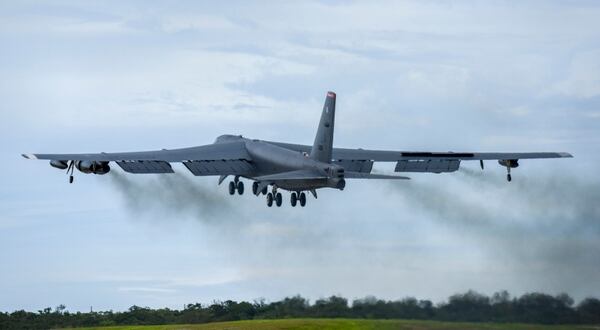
(424, 75)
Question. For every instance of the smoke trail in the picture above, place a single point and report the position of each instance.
(536, 223)
(171, 195)
(543, 229)
(480, 200)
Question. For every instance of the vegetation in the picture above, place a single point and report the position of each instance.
(353, 324)
(471, 306)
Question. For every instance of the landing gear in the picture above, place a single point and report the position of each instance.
(236, 185)
(70, 169)
(274, 196)
(294, 199)
(509, 163)
(302, 199)
(255, 188)
(264, 191)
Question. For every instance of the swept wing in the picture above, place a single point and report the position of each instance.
(213, 159)
(393, 156)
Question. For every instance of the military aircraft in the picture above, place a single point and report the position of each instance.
(292, 167)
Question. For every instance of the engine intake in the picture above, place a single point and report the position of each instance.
(60, 164)
(87, 166)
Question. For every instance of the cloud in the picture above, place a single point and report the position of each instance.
(583, 76)
(145, 289)
(201, 23)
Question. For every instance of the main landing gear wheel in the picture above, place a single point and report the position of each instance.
(302, 199)
(278, 199)
(254, 187)
(264, 191)
(294, 199)
(508, 177)
(240, 187)
(269, 199)
(231, 188)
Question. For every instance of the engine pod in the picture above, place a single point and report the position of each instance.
(60, 164)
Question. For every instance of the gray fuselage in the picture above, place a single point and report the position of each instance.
(269, 159)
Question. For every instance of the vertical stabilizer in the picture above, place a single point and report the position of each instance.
(323, 146)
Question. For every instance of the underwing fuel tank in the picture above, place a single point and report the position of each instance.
(509, 162)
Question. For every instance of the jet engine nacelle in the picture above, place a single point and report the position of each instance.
(87, 166)
(60, 164)
(509, 163)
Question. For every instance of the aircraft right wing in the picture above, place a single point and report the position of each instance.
(361, 160)
(393, 156)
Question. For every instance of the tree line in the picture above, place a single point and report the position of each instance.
(468, 307)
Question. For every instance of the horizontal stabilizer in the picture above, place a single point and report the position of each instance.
(357, 175)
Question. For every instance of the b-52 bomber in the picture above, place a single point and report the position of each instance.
(283, 166)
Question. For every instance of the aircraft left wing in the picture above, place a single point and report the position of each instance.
(231, 150)
(229, 158)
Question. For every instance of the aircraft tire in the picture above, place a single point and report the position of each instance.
(293, 199)
(254, 187)
(302, 199)
(278, 199)
(231, 188)
(269, 199)
(264, 191)
(240, 187)
(508, 177)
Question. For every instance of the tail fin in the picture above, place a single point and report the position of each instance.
(323, 146)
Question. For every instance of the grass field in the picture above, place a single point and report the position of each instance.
(309, 324)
